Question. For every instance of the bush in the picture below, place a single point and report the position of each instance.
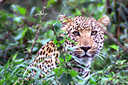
(26, 26)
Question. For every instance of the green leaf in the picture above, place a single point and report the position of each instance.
(109, 67)
(24, 32)
(32, 10)
(57, 25)
(64, 2)
(61, 59)
(110, 78)
(120, 62)
(50, 2)
(73, 73)
(68, 57)
(58, 71)
(18, 19)
(78, 12)
(65, 78)
(92, 82)
(11, 39)
(18, 9)
(123, 14)
(56, 43)
(60, 38)
(114, 47)
(100, 71)
(14, 57)
(86, 4)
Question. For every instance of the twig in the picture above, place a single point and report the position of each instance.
(115, 75)
(5, 57)
(115, 40)
(58, 40)
(13, 47)
(118, 56)
(37, 31)
(55, 34)
(26, 5)
(11, 32)
(118, 27)
(1, 63)
(108, 6)
(53, 11)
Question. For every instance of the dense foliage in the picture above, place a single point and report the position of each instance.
(25, 25)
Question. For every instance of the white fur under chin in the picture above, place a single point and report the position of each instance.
(87, 60)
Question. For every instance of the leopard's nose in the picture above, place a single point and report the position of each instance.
(85, 48)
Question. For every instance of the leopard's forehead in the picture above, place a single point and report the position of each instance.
(81, 23)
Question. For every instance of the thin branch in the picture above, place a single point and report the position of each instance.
(115, 75)
(1, 63)
(118, 27)
(37, 31)
(11, 32)
(118, 56)
(108, 7)
(13, 47)
(5, 57)
(56, 35)
(53, 11)
(115, 40)
(26, 5)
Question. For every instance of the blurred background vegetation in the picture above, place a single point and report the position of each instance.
(24, 29)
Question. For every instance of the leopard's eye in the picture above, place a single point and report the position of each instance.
(93, 32)
(76, 33)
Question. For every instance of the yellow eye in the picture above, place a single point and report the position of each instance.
(93, 32)
(76, 33)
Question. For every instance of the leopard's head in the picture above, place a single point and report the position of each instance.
(86, 32)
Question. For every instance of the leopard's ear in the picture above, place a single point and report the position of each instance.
(104, 20)
(65, 22)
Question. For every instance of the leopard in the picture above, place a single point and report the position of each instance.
(88, 35)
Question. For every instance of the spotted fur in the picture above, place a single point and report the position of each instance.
(86, 32)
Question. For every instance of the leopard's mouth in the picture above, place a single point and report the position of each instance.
(86, 55)
(82, 54)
